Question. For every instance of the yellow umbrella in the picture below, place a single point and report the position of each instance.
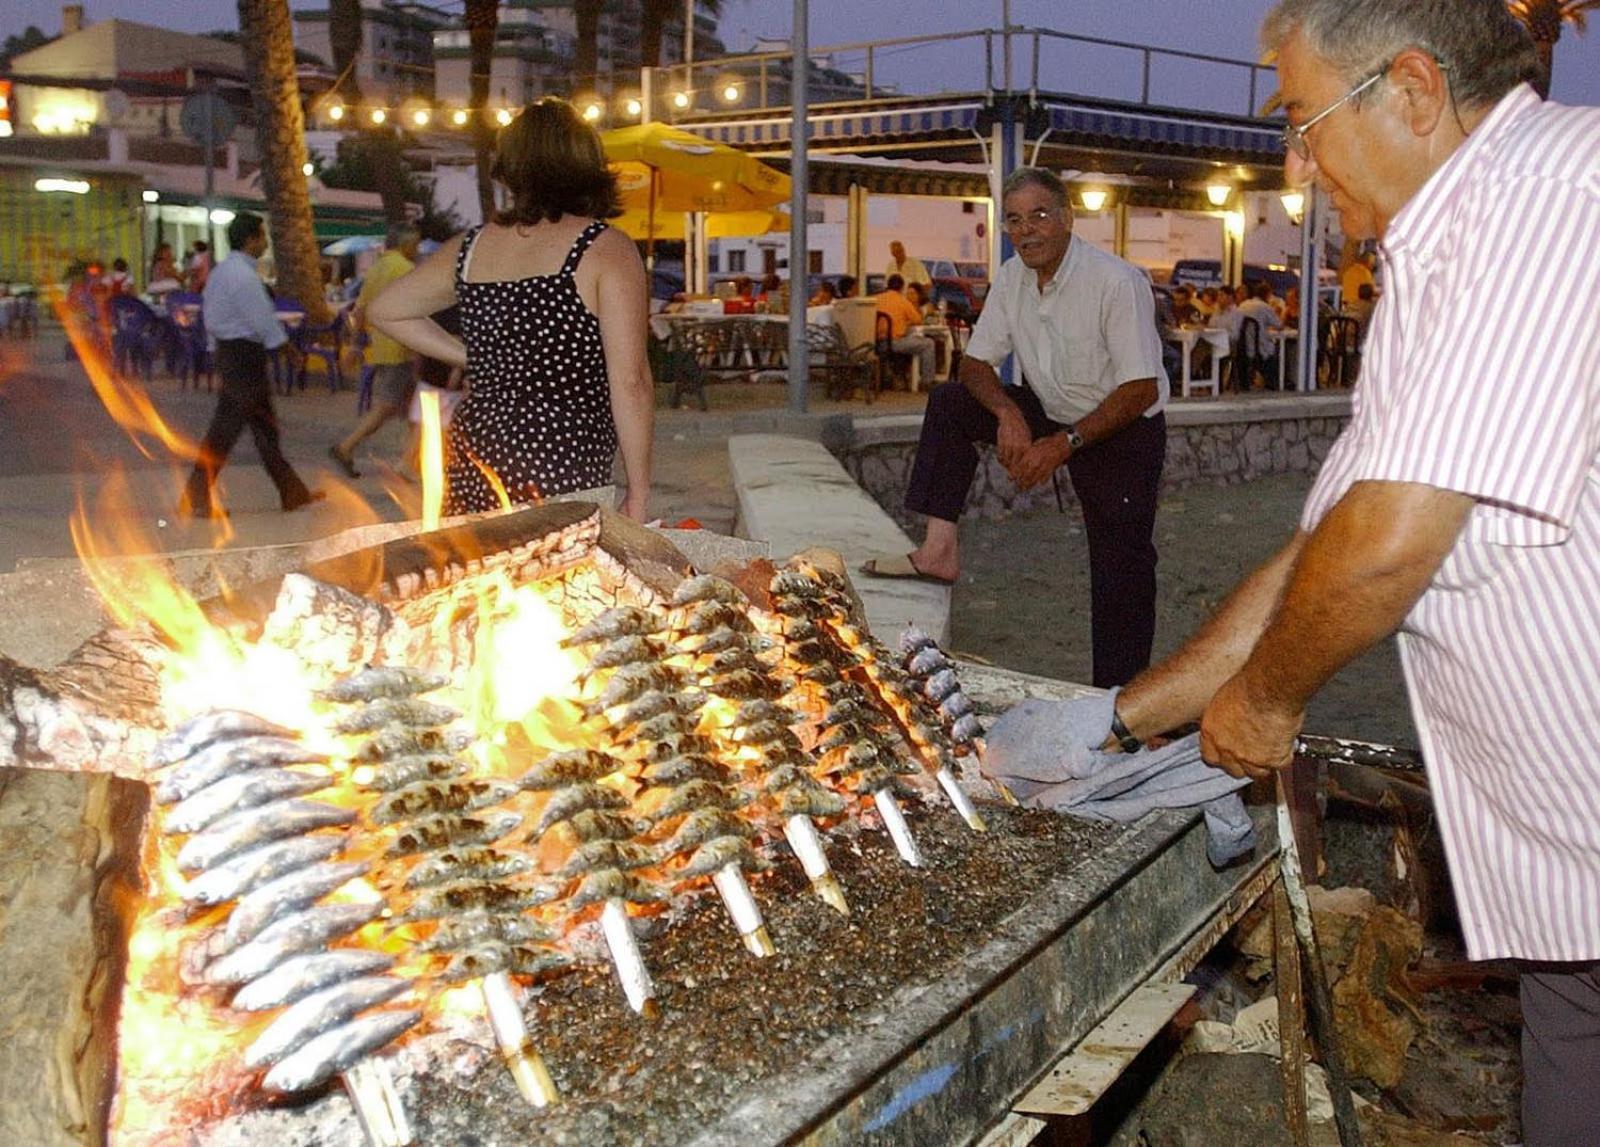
(661, 169)
(637, 224)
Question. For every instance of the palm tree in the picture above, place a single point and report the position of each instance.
(586, 55)
(654, 18)
(387, 162)
(1544, 20)
(268, 42)
(482, 18)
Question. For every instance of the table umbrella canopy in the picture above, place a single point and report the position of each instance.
(637, 224)
(682, 172)
(353, 245)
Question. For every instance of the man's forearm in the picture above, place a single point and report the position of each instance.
(1177, 690)
(1358, 576)
(1118, 409)
(983, 383)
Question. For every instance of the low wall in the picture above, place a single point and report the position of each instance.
(1219, 442)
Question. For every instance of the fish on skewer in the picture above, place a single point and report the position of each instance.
(240, 874)
(333, 1052)
(452, 830)
(408, 713)
(623, 621)
(303, 975)
(382, 682)
(708, 587)
(244, 830)
(241, 791)
(208, 728)
(400, 741)
(317, 1013)
(305, 931)
(225, 758)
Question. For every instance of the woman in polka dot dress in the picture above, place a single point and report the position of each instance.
(554, 310)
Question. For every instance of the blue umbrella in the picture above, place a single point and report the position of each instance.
(353, 245)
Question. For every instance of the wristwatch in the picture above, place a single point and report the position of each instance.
(1074, 439)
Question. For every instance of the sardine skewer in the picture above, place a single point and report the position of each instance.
(627, 959)
(378, 1107)
(802, 837)
(526, 1065)
(958, 797)
(899, 831)
(741, 905)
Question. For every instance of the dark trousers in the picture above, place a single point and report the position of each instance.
(245, 399)
(1560, 1054)
(1117, 482)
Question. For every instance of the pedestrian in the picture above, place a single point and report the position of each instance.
(1080, 327)
(1461, 506)
(554, 316)
(240, 318)
(392, 365)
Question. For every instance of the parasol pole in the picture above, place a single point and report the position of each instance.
(799, 279)
(650, 228)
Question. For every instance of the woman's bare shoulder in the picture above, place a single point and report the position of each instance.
(614, 246)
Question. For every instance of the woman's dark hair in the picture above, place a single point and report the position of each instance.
(553, 164)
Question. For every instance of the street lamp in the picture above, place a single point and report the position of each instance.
(1218, 193)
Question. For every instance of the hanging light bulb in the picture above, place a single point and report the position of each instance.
(379, 117)
(308, 169)
(1294, 204)
(730, 93)
(1093, 199)
(336, 112)
(633, 106)
(459, 117)
(421, 116)
(503, 116)
(1218, 193)
(680, 100)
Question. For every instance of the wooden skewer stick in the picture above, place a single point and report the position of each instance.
(628, 961)
(378, 1108)
(516, 1048)
(741, 905)
(802, 837)
(899, 831)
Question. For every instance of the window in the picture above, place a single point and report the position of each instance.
(735, 260)
(814, 262)
(713, 262)
(769, 260)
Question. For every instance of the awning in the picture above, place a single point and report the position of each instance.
(843, 126)
(1100, 127)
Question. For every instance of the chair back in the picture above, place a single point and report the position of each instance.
(1249, 338)
(882, 334)
(130, 315)
(857, 319)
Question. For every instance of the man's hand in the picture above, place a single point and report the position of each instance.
(1039, 461)
(1012, 439)
(1245, 735)
(633, 504)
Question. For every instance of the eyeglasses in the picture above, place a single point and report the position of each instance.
(1294, 138)
(1035, 218)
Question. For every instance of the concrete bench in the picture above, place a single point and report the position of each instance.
(793, 495)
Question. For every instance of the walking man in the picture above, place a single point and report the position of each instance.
(1461, 506)
(240, 317)
(392, 365)
(1081, 325)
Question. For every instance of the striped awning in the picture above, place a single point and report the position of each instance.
(841, 126)
(1102, 127)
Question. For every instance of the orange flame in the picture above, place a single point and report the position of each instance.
(127, 403)
(432, 460)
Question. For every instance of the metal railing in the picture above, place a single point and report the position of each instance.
(976, 62)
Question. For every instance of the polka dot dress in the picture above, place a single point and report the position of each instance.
(538, 415)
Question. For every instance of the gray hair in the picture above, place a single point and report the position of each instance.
(1037, 177)
(1485, 49)
(399, 234)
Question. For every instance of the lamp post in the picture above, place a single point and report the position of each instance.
(799, 263)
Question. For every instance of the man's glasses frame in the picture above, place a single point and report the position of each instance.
(1294, 137)
(1038, 217)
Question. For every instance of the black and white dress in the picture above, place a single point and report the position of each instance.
(538, 412)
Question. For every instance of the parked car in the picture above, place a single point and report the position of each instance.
(962, 298)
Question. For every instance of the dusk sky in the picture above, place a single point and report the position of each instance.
(1219, 27)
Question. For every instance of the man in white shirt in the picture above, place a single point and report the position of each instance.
(241, 320)
(1081, 325)
(910, 268)
(1259, 308)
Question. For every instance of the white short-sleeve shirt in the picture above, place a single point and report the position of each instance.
(1482, 376)
(1090, 330)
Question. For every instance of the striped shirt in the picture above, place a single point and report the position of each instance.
(1482, 376)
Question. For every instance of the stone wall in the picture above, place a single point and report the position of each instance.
(1214, 445)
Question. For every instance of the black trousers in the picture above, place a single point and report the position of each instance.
(245, 399)
(1560, 1054)
(1117, 482)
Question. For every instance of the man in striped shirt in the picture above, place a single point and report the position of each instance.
(1461, 506)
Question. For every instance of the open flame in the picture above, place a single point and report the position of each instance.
(432, 460)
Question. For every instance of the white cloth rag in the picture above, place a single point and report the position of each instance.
(1048, 754)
